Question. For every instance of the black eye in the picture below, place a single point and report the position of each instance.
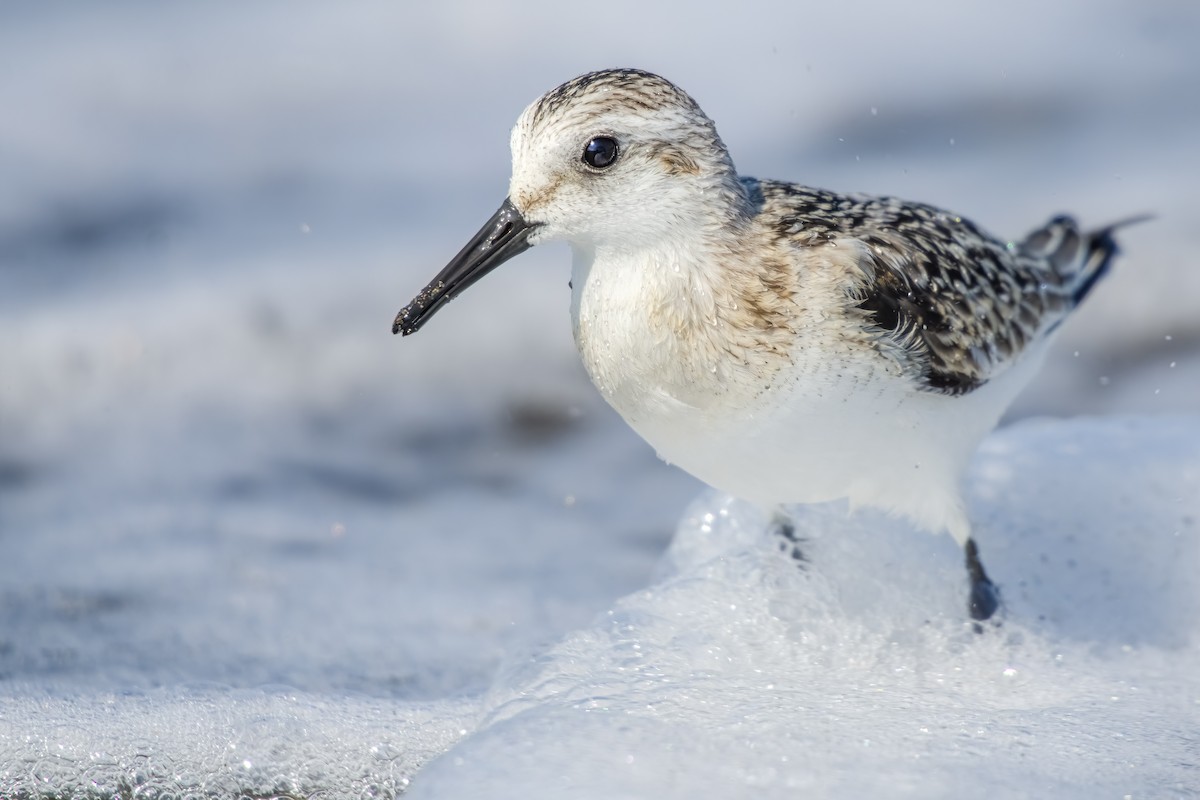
(600, 152)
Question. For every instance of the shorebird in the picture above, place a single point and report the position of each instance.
(781, 343)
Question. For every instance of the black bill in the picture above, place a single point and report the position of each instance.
(505, 235)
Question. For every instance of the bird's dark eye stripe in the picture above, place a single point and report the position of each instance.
(601, 152)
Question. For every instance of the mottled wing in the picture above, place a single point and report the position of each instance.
(959, 303)
(966, 305)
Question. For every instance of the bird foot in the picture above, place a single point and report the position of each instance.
(789, 542)
(984, 600)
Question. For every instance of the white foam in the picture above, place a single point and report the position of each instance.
(856, 674)
(736, 670)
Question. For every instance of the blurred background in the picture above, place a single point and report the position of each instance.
(216, 462)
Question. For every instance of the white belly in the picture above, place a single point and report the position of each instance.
(878, 444)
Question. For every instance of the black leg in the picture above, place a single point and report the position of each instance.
(985, 596)
(789, 542)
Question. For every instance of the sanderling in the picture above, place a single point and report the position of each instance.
(781, 343)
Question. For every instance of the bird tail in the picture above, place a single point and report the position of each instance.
(1079, 259)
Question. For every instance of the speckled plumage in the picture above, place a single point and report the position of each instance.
(960, 303)
(782, 343)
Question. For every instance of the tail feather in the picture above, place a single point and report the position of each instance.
(1079, 259)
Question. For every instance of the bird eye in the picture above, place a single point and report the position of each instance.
(601, 152)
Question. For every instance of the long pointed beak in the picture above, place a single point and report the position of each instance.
(503, 236)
